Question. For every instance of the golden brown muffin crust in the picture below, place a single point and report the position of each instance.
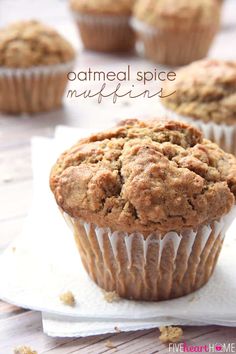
(106, 7)
(205, 90)
(30, 43)
(181, 13)
(145, 177)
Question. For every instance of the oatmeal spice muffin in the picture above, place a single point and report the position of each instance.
(104, 24)
(206, 96)
(150, 204)
(34, 61)
(176, 32)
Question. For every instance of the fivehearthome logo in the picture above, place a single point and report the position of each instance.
(206, 348)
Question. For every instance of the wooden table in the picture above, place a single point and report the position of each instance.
(18, 326)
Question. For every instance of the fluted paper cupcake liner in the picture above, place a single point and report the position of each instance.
(105, 33)
(221, 134)
(174, 46)
(158, 267)
(32, 90)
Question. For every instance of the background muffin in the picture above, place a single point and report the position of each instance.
(206, 96)
(104, 24)
(34, 61)
(150, 203)
(176, 32)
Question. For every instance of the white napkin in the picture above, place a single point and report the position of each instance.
(43, 263)
(62, 326)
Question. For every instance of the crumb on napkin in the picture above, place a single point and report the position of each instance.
(170, 334)
(13, 249)
(117, 329)
(23, 349)
(110, 345)
(194, 298)
(111, 296)
(68, 298)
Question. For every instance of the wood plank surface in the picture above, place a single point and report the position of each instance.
(26, 329)
(20, 327)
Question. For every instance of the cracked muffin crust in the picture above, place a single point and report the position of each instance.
(30, 43)
(205, 90)
(168, 13)
(109, 7)
(145, 176)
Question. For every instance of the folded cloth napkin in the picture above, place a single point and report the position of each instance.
(43, 262)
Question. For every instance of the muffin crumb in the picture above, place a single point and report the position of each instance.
(110, 345)
(68, 298)
(23, 349)
(193, 298)
(117, 329)
(7, 179)
(170, 334)
(111, 296)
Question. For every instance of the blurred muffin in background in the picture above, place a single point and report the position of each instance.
(205, 95)
(176, 32)
(34, 62)
(104, 24)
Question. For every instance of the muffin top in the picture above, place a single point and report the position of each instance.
(30, 43)
(106, 7)
(205, 90)
(145, 176)
(168, 13)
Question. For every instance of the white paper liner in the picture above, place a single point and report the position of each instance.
(222, 134)
(34, 89)
(206, 254)
(141, 26)
(106, 33)
(37, 70)
(170, 47)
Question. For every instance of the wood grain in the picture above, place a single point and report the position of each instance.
(27, 330)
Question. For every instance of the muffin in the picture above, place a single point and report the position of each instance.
(176, 32)
(149, 203)
(104, 24)
(205, 95)
(34, 62)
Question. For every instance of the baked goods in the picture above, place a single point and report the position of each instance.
(176, 32)
(205, 95)
(170, 334)
(23, 349)
(149, 203)
(34, 61)
(104, 24)
(67, 298)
